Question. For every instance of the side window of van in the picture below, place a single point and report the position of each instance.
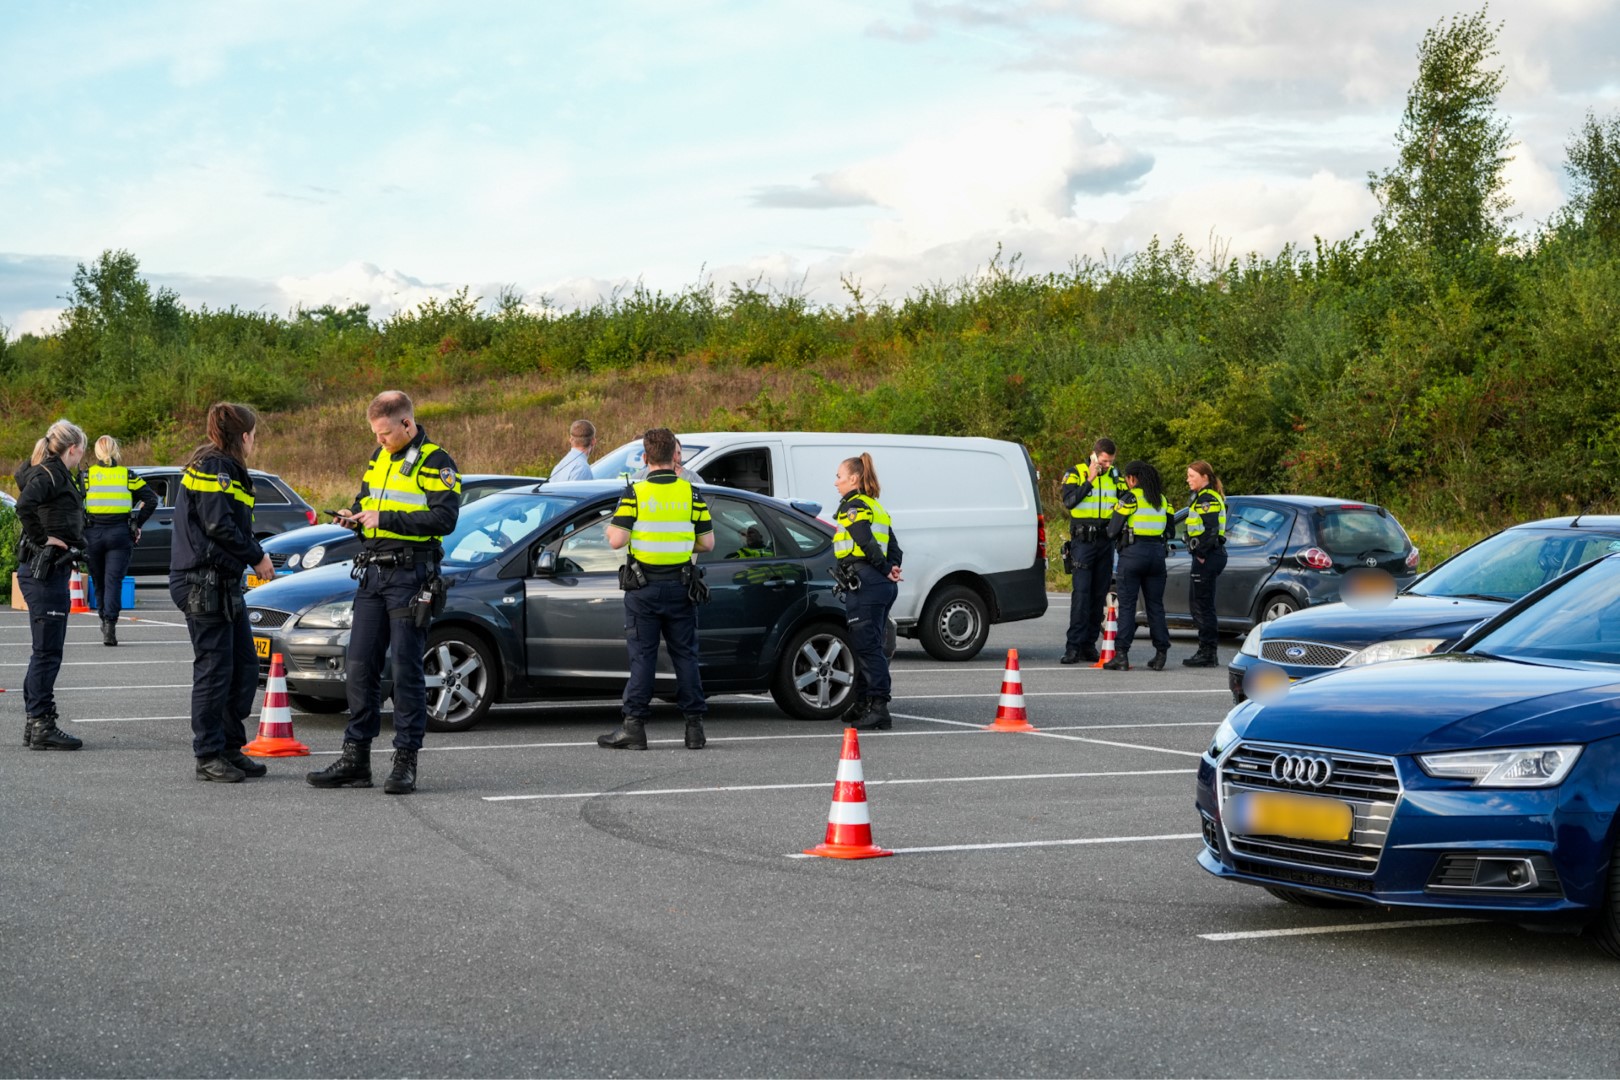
(746, 470)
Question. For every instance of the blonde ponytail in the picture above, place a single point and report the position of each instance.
(107, 450)
(865, 474)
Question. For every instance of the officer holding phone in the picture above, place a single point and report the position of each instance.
(1090, 493)
(409, 500)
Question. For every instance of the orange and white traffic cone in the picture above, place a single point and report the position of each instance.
(275, 719)
(849, 826)
(1110, 631)
(76, 594)
(1010, 713)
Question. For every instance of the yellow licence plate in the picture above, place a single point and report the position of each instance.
(1282, 813)
(261, 645)
(254, 581)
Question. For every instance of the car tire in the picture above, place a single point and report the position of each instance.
(1605, 930)
(309, 704)
(954, 624)
(1276, 606)
(461, 705)
(1302, 898)
(815, 674)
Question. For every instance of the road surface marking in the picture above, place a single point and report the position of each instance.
(828, 784)
(1024, 844)
(1349, 928)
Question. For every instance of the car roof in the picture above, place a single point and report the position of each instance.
(480, 477)
(591, 489)
(1312, 501)
(1600, 522)
(145, 470)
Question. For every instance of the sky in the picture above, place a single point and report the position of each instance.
(304, 152)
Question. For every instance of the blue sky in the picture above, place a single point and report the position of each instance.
(268, 155)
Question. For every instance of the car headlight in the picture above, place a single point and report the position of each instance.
(1225, 736)
(1400, 649)
(313, 557)
(1251, 644)
(293, 561)
(338, 615)
(1526, 767)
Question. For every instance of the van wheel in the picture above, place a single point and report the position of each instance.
(954, 624)
(1276, 606)
(460, 686)
(815, 674)
(309, 704)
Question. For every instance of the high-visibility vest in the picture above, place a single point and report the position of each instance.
(387, 488)
(1099, 503)
(663, 533)
(1143, 520)
(107, 489)
(1206, 501)
(866, 509)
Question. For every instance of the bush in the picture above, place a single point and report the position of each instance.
(10, 537)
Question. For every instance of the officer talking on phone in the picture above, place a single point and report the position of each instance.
(1090, 493)
(409, 500)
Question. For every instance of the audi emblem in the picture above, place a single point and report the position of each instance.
(255, 616)
(1295, 652)
(1304, 770)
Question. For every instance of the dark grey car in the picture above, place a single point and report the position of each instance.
(277, 508)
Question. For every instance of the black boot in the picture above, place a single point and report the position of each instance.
(245, 764)
(853, 715)
(43, 734)
(876, 719)
(1204, 657)
(402, 779)
(631, 734)
(1120, 662)
(695, 739)
(351, 769)
(1159, 657)
(109, 631)
(217, 769)
(1072, 656)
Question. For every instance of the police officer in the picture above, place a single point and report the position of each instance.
(663, 520)
(50, 507)
(112, 529)
(868, 569)
(1090, 493)
(213, 544)
(409, 500)
(1206, 542)
(1138, 529)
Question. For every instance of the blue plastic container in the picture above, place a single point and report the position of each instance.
(126, 597)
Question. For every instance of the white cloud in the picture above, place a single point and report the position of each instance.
(39, 321)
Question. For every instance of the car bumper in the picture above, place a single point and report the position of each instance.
(1242, 664)
(314, 658)
(1446, 849)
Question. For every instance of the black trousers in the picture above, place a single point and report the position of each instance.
(108, 549)
(1093, 571)
(374, 632)
(867, 609)
(48, 603)
(662, 610)
(224, 674)
(1205, 569)
(1141, 570)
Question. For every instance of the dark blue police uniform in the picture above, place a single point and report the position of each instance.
(50, 504)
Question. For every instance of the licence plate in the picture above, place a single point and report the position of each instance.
(254, 581)
(1283, 813)
(261, 645)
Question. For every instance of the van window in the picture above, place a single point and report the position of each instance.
(627, 459)
(746, 470)
(920, 476)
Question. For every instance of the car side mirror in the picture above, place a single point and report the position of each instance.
(546, 563)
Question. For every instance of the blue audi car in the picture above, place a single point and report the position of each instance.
(1482, 781)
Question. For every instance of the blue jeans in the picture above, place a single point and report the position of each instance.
(224, 674)
(375, 629)
(1205, 569)
(108, 549)
(48, 604)
(1141, 569)
(661, 609)
(867, 610)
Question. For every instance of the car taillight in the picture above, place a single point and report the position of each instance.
(1040, 538)
(1412, 559)
(1315, 558)
(310, 514)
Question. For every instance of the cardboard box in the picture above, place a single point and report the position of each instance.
(17, 600)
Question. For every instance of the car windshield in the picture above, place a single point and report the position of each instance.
(1578, 621)
(1359, 530)
(492, 525)
(1510, 564)
(627, 459)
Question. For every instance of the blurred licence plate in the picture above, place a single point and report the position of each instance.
(261, 645)
(1298, 817)
(254, 581)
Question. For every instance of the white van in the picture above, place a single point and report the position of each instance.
(966, 512)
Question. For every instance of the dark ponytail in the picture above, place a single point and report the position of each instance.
(1147, 478)
(227, 424)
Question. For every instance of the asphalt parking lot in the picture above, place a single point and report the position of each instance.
(545, 907)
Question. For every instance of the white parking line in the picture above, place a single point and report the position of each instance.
(1350, 928)
(109, 689)
(98, 663)
(592, 743)
(1058, 693)
(92, 641)
(1055, 735)
(1024, 844)
(828, 784)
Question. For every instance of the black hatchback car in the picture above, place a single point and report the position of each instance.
(277, 508)
(534, 609)
(1287, 552)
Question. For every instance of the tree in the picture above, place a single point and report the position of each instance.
(1593, 165)
(1446, 193)
(113, 318)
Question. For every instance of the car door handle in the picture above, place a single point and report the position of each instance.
(1273, 559)
(775, 582)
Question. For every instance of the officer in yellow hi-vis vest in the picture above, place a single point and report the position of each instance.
(409, 500)
(112, 529)
(868, 575)
(1206, 543)
(662, 521)
(1138, 529)
(1090, 492)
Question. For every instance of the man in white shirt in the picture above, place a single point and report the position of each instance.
(575, 464)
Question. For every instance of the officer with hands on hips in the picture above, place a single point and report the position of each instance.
(1090, 493)
(409, 500)
(661, 520)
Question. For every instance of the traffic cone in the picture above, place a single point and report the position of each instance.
(275, 719)
(1010, 714)
(76, 585)
(1110, 630)
(849, 826)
